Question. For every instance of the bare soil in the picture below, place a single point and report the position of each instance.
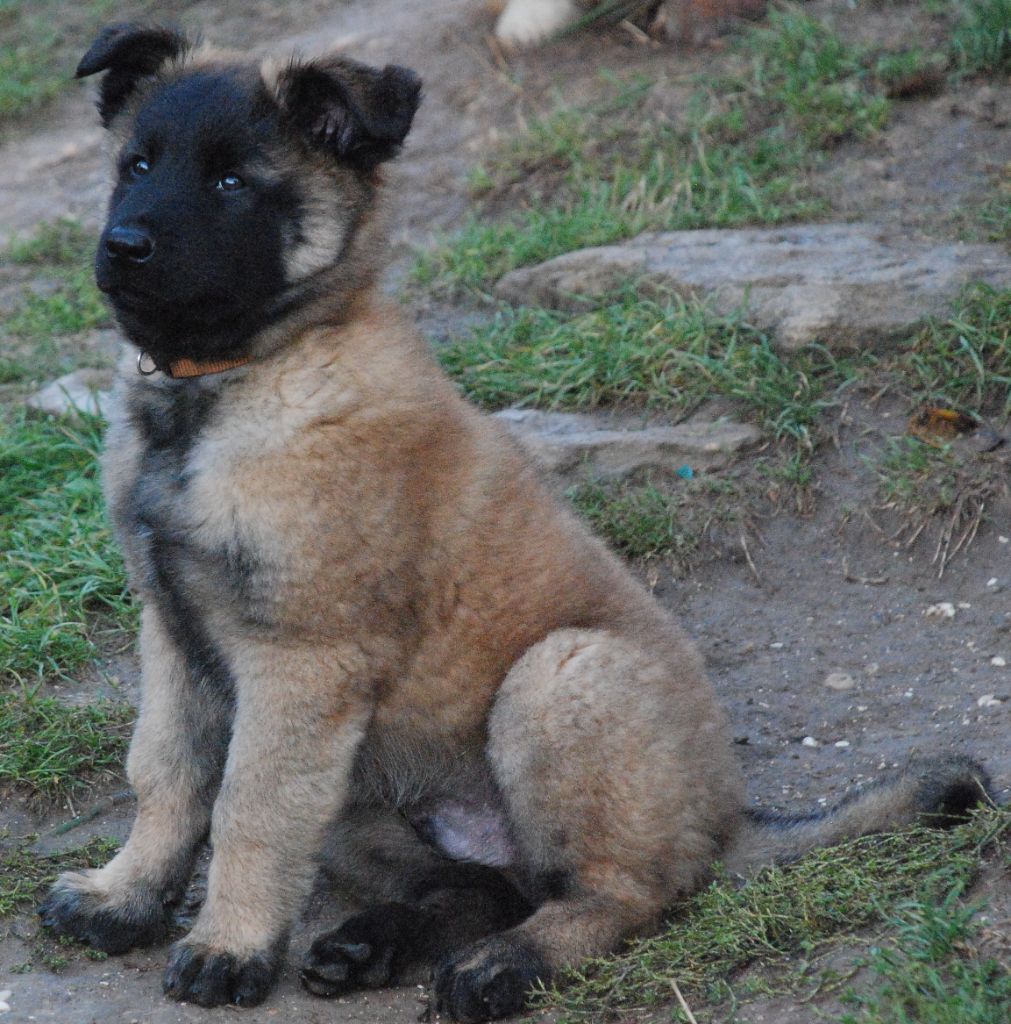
(773, 632)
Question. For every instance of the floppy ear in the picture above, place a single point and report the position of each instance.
(358, 114)
(128, 53)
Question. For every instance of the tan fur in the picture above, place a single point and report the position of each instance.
(394, 612)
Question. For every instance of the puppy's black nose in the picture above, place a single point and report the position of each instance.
(133, 244)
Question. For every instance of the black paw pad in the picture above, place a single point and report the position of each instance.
(79, 914)
(198, 975)
(367, 951)
(488, 981)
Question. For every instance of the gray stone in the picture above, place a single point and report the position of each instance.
(83, 391)
(844, 285)
(581, 446)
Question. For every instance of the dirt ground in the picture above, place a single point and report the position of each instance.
(772, 634)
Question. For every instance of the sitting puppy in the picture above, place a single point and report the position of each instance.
(366, 626)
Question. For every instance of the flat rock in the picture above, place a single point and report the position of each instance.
(580, 446)
(843, 285)
(83, 391)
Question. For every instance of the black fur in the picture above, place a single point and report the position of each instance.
(216, 276)
(488, 981)
(198, 975)
(947, 789)
(358, 114)
(171, 420)
(71, 913)
(450, 908)
(128, 52)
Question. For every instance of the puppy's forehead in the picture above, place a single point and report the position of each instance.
(212, 107)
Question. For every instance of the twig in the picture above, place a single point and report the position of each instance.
(681, 1002)
(105, 804)
(751, 563)
(635, 32)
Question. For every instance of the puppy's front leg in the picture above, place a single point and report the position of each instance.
(300, 717)
(175, 762)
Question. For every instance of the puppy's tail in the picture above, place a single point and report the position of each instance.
(938, 792)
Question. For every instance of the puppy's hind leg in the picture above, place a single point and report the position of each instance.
(620, 786)
(174, 765)
(427, 906)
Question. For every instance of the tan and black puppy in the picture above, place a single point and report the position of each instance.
(368, 632)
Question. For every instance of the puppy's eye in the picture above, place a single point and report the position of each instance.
(229, 183)
(139, 166)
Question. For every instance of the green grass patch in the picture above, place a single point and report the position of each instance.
(671, 355)
(61, 579)
(783, 917)
(25, 876)
(62, 302)
(41, 42)
(981, 39)
(659, 519)
(48, 747)
(63, 243)
(738, 156)
(806, 73)
(39, 49)
(929, 971)
(964, 360)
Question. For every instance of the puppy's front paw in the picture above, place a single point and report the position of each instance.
(210, 977)
(79, 908)
(488, 980)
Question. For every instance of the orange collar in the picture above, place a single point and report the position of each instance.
(182, 368)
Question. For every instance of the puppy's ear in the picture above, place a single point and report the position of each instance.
(128, 53)
(358, 114)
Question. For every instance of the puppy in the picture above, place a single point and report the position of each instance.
(366, 627)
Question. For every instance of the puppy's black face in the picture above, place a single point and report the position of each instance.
(240, 187)
(200, 219)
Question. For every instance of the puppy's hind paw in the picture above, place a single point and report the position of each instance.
(368, 951)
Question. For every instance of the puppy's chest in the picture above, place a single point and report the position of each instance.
(181, 518)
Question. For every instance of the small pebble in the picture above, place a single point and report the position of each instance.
(941, 610)
(992, 581)
(809, 741)
(839, 681)
(842, 744)
(998, 661)
(988, 700)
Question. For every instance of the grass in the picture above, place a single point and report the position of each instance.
(671, 355)
(738, 156)
(981, 39)
(48, 748)
(656, 519)
(964, 360)
(929, 972)
(785, 917)
(62, 580)
(64, 303)
(41, 42)
(24, 876)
